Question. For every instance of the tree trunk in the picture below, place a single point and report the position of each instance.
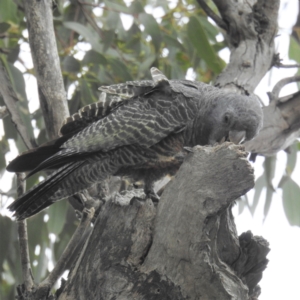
(46, 62)
(185, 248)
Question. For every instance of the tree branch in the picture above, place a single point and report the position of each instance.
(280, 65)
(10, 99)
(280, 84)
(28, 283)
(210, 13)
(251, 32)
(281, 123)
(44, 288)
(43, 47)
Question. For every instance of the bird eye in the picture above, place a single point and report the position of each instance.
(226, 119)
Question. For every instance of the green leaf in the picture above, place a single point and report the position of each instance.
(18, 84)
(120, 70)
(269, 196)
(242, 203)
(151, 28)
(291, 201)
(292, 158)
(93, 57)
(41, 269)
(173, 42)
(87, 33)
(13, 54)
(66, 233)
(112, 21)
(146, 64)
(70, 64)
(294, 50)
(8, 11)
(5, 235)
(269, 166)
(57, 217)
(198, 38)
(87, 96)
(9, 129)
(209, 28)
(282, 181)
(136, 7)
(4, 27)
(108, 38)
(4, 148)
(260, 183)
(37, 232)
(116, 6)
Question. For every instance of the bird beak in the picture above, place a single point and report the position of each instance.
(237, 137)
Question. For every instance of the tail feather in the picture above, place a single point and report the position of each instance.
(57, 160)
(30, 159)
(39, 197)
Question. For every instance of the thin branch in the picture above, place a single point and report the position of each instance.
(3, 112)
(23, 241)
(277, 62)
(10, 98)
(212, 15)
(280, 84)
(44, 288)
(280, 65)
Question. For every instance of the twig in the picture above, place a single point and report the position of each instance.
(23, 241)
(280, 65)
(280, 84)
(212, 15)
(45, 286)
(3, 112)
(10, 98)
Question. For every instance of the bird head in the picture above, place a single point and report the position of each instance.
(228, 117)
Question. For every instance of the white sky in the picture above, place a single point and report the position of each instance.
(281, 279)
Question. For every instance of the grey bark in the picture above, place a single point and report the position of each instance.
(251, 29)
(45, 57)
(281, 126)
(251, 32)
(186, 248)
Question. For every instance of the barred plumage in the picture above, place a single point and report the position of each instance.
(137, 129)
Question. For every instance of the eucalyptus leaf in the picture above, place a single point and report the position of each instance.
(291, 201)
(292, 158)
(5, 238)
(199, 40)
(260, 184)
(87, 33)
(8, 11)
(4, 27)
(70, 64)
(57, 216)
(151, 28)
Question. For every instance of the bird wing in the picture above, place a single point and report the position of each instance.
(142, 121)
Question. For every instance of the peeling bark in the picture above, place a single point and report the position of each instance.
(179, 250)
(281, 126)
(251, 31)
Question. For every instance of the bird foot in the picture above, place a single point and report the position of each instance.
(153, 196)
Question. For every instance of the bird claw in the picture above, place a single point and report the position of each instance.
(153, 196)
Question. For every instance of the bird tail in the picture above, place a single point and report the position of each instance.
(42, 195)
